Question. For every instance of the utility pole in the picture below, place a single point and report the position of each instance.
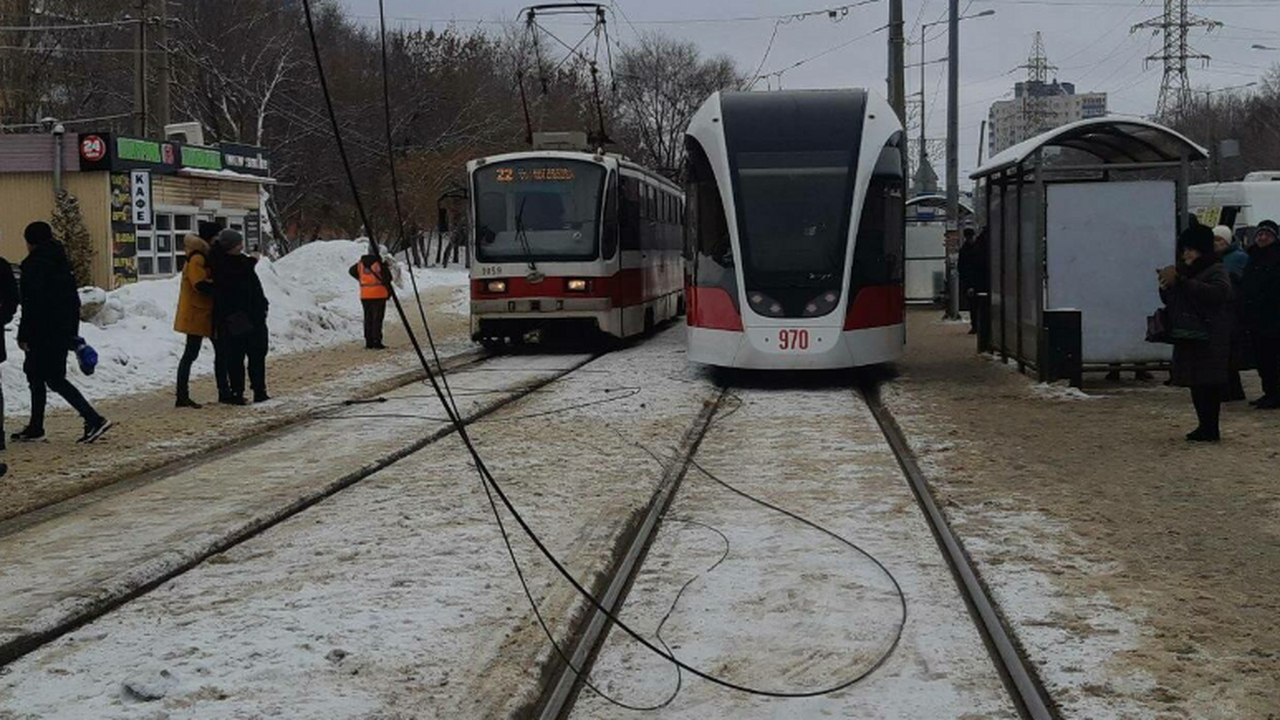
(140, 72)
(162, 67)
(953, 161)
(1035, 97)
(1176, 24)
(897, 61)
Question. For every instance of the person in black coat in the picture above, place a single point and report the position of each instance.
(1260, 310)
(1198, 295)
(974, 268)
(50, 324)
(10, 300)
(208, 232)
(239, 316)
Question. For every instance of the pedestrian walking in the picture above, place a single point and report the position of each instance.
(195, 313)
(10, 299)
(47, 332)
(239, 317)
(1234, 260)
(1197, 293)
(1260, 310)
(375, 290)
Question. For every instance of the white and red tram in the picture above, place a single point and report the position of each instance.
(795, 230)
(568, 238)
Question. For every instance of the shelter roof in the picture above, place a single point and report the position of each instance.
(1113, 140)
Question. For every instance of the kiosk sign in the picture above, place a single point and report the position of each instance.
(140, 197)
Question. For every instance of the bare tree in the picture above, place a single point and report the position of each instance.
(661, 82)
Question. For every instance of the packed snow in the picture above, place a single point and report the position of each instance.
(314, 304)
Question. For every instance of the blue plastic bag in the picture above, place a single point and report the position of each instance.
(86, 356)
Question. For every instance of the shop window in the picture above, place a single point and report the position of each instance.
(160, 245)
(146, 266)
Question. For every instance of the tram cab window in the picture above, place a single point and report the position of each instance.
(877, 259)
(707, 228)
(609, 233)
(538, 209)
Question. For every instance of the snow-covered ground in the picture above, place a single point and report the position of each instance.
(790, 609)
(314, 304)
(394, 598)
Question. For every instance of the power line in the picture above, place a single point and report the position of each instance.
(1176, 24)
(59, 28)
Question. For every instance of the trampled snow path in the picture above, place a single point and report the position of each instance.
(394, 598)
(102, 547)
(314, 304)
(789, 609)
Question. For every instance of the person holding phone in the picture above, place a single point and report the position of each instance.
(1197, 292)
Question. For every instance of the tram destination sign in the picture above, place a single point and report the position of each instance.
(506, 174)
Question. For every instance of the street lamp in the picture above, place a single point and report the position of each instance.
(924, 152)
(953, 142)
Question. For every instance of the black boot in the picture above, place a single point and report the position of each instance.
(187, 402)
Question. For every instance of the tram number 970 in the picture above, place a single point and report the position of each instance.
(793, 340)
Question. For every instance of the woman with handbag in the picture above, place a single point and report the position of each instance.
(1197, 294)
(239, 316)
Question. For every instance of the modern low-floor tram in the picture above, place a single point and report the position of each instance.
(795, 230)
(572, 241)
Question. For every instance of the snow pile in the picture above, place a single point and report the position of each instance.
(314, 304)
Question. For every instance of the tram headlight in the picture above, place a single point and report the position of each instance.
(576, 285)
(764, 305)
(823, 304)
(496, 286)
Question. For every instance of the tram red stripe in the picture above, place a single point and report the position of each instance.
(876, 306)
(712, 308)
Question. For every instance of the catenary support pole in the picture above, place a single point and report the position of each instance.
(140, 71)
(953, 160)
(162, 65)
(897, 61)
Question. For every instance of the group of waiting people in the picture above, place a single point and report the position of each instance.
(1235, 293)
(221, 299)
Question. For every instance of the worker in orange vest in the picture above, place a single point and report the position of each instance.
(375, 290)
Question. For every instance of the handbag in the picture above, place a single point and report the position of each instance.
(1158, 327)
(1177, 325)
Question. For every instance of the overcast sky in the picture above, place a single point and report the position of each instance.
(1089, 40)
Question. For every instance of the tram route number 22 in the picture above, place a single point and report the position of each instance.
(793, 340)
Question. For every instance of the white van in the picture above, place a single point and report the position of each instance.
(1238, 205)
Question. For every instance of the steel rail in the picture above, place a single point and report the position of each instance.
(1024, 686)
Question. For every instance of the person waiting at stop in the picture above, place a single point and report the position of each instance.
(1260, 310)
(375, 290)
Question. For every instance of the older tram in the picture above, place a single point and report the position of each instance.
(795, 230)
(572, 240)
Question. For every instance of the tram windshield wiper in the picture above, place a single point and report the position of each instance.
(523, 238)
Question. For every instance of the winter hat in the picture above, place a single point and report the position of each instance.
(38, 233)
(1270, 225)
(1222, 232)
(208, 230)
(228, 240)
(1198, 238)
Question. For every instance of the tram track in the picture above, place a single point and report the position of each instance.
(39, 630)
(1023, 684)
(589, 635)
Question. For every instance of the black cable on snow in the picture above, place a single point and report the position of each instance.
(493, 489)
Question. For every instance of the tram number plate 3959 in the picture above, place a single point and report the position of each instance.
(793, 340)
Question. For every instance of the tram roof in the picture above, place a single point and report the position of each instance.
(938, 200)
(1113, 140)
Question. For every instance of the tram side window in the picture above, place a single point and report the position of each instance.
(708, 228)
(631, 204)
(877, 258)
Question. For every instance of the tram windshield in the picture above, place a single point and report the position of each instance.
(794, 222)
(538, 209)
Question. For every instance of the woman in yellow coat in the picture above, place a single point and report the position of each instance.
(195, 312)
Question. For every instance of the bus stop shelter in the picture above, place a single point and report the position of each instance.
(926, 257)
(1079, 218)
